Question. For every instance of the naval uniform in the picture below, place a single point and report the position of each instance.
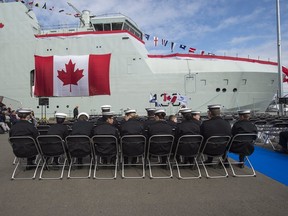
(242, 127)
(58, 129)
(82, 128)
(107, 150)
(216, 126)
(187, 127)
(24, 128)
(132, 127)
(160, 127)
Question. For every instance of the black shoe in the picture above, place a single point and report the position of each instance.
(241, 165)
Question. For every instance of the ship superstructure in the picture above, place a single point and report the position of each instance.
(137, 79)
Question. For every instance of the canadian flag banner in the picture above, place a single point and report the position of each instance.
(72, 75)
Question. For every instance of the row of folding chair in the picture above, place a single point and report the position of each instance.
(270, 130)
(192, 146)
(157, 153)
(73, 149)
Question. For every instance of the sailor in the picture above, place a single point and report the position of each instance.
(131, 126)
(150, 117)
(172, 120)
(82, 126)
(104, 109)
(215, 126)
(189, 126)
(107, 128)
(59, 128)
(24, 128)
(160, 127)
(242, 126)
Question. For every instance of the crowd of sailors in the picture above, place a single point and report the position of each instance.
(155, 123)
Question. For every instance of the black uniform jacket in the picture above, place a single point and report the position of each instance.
(58, 129)
(215, 126)
(160, 127)
(191, 127)
(23, 128)
(82, 128)
(242, 127)
(132, 127)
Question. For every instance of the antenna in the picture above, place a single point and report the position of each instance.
(78, 12)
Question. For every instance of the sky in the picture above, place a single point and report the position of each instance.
(243, 28)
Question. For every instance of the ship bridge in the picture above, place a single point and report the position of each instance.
(111, 22)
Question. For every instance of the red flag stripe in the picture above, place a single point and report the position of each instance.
(99, 67)
(43, 76)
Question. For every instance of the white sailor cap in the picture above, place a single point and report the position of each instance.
(185, 110)
(195, 112)
(215, 106)
(24, 111)
(242, 112)
(60, 115)
(150, 109)
(105, 108)
(83, 113)
(160, 111)
(111, 113)
(128, 111)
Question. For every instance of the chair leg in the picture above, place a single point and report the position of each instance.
(190, 177)
(213, 163)
(107, 165)
(150, 165)
(80, 177)
(134, 177)
(253, 173)
(18, 164)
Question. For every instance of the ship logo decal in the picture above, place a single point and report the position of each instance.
(70, 76)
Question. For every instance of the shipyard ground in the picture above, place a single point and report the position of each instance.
(228, 196)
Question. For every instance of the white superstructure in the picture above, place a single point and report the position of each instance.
(135, 75)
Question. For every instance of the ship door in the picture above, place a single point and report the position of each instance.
(190, 83)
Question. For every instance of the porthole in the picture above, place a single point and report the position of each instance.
(235, 90)
(217, 89)
(224, 90)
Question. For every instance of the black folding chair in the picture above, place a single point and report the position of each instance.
(79, 147)
(24, 147)
(52, 146)
(188, 146)
(215, 147)
(242, 141)
(133, 146)
(160, 146)
(106, 153)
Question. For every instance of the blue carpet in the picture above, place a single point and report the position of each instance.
(269, 163)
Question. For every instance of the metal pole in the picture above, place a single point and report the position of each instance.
(280, 75)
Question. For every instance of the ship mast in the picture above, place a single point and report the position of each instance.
(280, 75)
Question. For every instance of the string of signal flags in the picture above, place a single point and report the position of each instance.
(156, 40)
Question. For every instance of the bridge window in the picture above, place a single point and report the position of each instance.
(107, 27)
(117, 26)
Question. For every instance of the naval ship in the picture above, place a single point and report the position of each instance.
(133, 78)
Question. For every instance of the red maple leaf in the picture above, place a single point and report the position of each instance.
(1, 25)
(70, 77)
